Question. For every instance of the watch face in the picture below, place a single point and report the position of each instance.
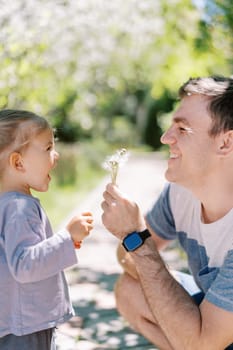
(132, 241)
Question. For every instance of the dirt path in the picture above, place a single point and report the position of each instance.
(98, 325)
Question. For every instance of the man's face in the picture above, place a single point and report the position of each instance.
(192, 151)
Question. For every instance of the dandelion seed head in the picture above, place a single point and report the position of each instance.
(113, 162)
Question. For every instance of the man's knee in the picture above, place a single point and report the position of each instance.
(124, 289)
(129, 297)
(131, 303)
(121, 292)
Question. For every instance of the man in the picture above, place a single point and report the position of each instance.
(195, 207)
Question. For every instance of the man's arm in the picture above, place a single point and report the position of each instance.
(125, 259)
(186, 326)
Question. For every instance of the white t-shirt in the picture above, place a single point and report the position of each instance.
(209, 249)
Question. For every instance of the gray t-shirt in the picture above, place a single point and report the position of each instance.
(177, 214)
(33, 290)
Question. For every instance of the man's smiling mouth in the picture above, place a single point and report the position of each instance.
(173, 156)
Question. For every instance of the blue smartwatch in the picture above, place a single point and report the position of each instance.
(135, 239)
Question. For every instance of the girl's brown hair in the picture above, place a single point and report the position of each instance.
(17, 127)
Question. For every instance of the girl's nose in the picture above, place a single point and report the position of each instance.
(56, 155)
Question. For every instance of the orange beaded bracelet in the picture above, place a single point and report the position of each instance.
(77, 244)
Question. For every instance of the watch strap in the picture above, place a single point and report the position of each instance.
(144, 234)
(131, 242)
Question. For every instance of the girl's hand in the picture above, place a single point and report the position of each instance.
(80, 226)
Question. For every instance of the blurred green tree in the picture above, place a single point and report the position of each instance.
(108, 69)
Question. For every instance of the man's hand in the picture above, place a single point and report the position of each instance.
(121, 215)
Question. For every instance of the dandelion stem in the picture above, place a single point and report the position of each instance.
(113, 163)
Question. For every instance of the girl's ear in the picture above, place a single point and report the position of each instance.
(226, 144)
(16, 161)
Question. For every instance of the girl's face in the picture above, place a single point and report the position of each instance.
(38, 159)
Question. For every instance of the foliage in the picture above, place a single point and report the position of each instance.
(219, 14)
(106, 74)
(79, 162)
(108, 69)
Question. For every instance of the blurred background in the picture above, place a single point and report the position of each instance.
(106, 74)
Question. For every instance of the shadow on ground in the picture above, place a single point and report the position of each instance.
(98, 321)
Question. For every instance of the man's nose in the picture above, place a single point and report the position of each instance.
(168, 137)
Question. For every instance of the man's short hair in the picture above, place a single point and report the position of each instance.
(219, 90)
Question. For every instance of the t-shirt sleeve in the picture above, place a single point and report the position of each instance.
(220, 292)
(31, 255)
(160, 217)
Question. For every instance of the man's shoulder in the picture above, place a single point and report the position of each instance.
(180, 197)
(178, 192)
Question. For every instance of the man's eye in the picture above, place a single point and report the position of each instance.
(185, 130)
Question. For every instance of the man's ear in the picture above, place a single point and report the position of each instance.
(16, 161)
(226, 143)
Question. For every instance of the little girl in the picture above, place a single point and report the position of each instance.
(34, 296)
